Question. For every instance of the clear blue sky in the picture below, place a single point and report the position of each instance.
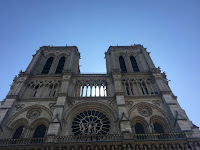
(169, 29)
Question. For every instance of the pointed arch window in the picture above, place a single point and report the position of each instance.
(122, 64)
(47, 66)
(139, 128)
(158, 128)
(60, 65)
(134, 64)
(40, 131)
(18, 132)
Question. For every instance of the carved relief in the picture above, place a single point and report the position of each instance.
(34, 113)
(156, 102)
(18, 107)
(52, 105)
(145, 111)
(129, 103)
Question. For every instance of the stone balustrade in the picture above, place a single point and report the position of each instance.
(97, 138)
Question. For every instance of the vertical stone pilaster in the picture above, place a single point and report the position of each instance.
(148, 58)
(34, 61)
(125, 124)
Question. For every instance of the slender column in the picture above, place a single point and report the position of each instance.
(90, 90)
(82, 90)
(139, 90)
(95, 90)
(100, 89)
(151, 87)
(86, 90)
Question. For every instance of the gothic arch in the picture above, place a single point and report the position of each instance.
(162, 121)
(18, 123)
(122, 64)
(40, 121)
(140, 120)
(13, 118)
(60, 65)
(48, 55)
(85, 106)
(153, 107)
(134, 54)
(48, 65)
(63, 54)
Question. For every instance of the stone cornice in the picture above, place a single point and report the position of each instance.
(62, 94)
(165, 92)
(119, 93)
(12, 97)
(156, 96)
(38, 99)
(91, 98)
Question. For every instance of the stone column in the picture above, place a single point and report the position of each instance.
(54, 66)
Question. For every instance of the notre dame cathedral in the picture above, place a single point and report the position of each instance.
(52, 106)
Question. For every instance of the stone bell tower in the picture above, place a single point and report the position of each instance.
(136, 77)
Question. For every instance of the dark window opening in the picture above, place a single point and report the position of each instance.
(18, 132)
(127, 89)
(60, 65)
(122, 64)
(134, 64)
(36, 90)
(40, 131)
(139, 129)
(142, 90)
(145, 88)
(54, 93)
(47, 66)
(158, 128)
(34, 93)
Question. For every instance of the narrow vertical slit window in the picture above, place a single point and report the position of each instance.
(134, 64)
(47, 66)
(122, 64)
(60, 65)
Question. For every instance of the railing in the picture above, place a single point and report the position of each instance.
(88, 138)
(157, 136)
(96, 138)
(25, 141)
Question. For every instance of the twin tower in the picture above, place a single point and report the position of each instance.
(52, 106)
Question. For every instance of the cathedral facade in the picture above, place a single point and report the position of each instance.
(52, 106)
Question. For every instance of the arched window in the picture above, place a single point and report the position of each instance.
(158, 128)
(47, 66)
(134, 64)
(139, 128)
(40, 131)
(18, 132)
(122, 64)
(60, 65)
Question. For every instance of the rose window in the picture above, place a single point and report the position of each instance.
(90, 123)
